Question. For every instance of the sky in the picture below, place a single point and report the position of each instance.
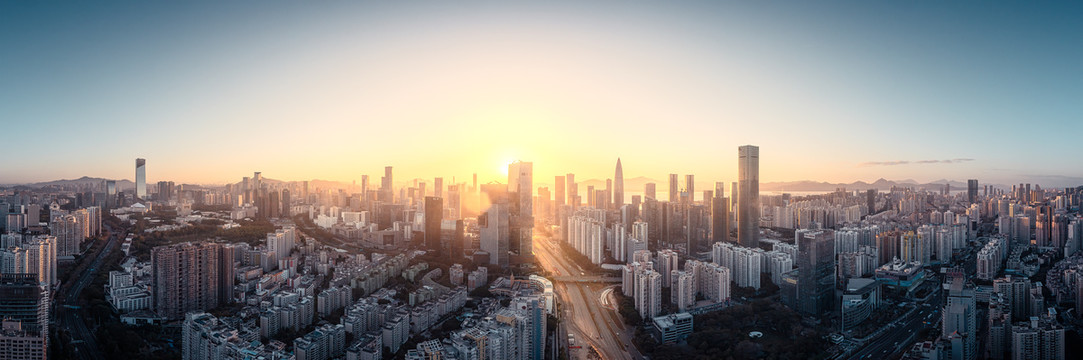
(842, 91)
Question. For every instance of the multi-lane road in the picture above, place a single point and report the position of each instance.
(901, 333)
(68, 318)
(592, 324)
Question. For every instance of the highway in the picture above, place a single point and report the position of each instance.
(899, 337)
(86, 346)
(592, 324)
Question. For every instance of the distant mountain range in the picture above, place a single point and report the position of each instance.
(80, 182)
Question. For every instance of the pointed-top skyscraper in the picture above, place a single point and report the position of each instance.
(618, 186)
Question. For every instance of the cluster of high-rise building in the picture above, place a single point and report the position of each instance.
(852, 252)
(25, 308)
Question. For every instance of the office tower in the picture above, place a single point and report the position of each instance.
(257, 180)
(734, 194)
(859, 300)
(185, 278)
(748, 205)
(285, 211)
(649, 191)
(545, 203)
(274, 204)
(972, 190)
(520, 181)
(454, 232)
(573, 190)
(690, 187)
(246, 190)
(558, 183)
(455, 201)
(494, 225)
(816, 275)
(720, 217)
(386, 186)
(618, 186)
(165, 190)
(438, 188)
(24, 313)
(141, 178)
(607, 200)
(364, 186)
(110, 194)
(434, 215)
(870, 200)
(673, 192)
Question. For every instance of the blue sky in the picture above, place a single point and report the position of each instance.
(832, 91)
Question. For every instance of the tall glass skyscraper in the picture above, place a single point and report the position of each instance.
(141, 178)
(748, 200)
(618, 186)
(816, 272)
(521, 181)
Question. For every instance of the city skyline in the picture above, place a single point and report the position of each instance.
(472, 180)
(894, 91)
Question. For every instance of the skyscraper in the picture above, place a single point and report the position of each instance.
(720, 218)
(110, 194)
(559, 191)
(24, 312)
(141, 178)
(649, 191)
(438, 188)
(520, 181)
(434, 214)
(816, 275)
(690, 187)
(387, 192)
(673, 188)
(972, 190)
(870, 200)
(748, 205)
(618, 186)
(165, 190)
(573, 190)
(494, 225)
(257, 180)
(286, 203)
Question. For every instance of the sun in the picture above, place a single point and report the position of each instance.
(504, 167)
